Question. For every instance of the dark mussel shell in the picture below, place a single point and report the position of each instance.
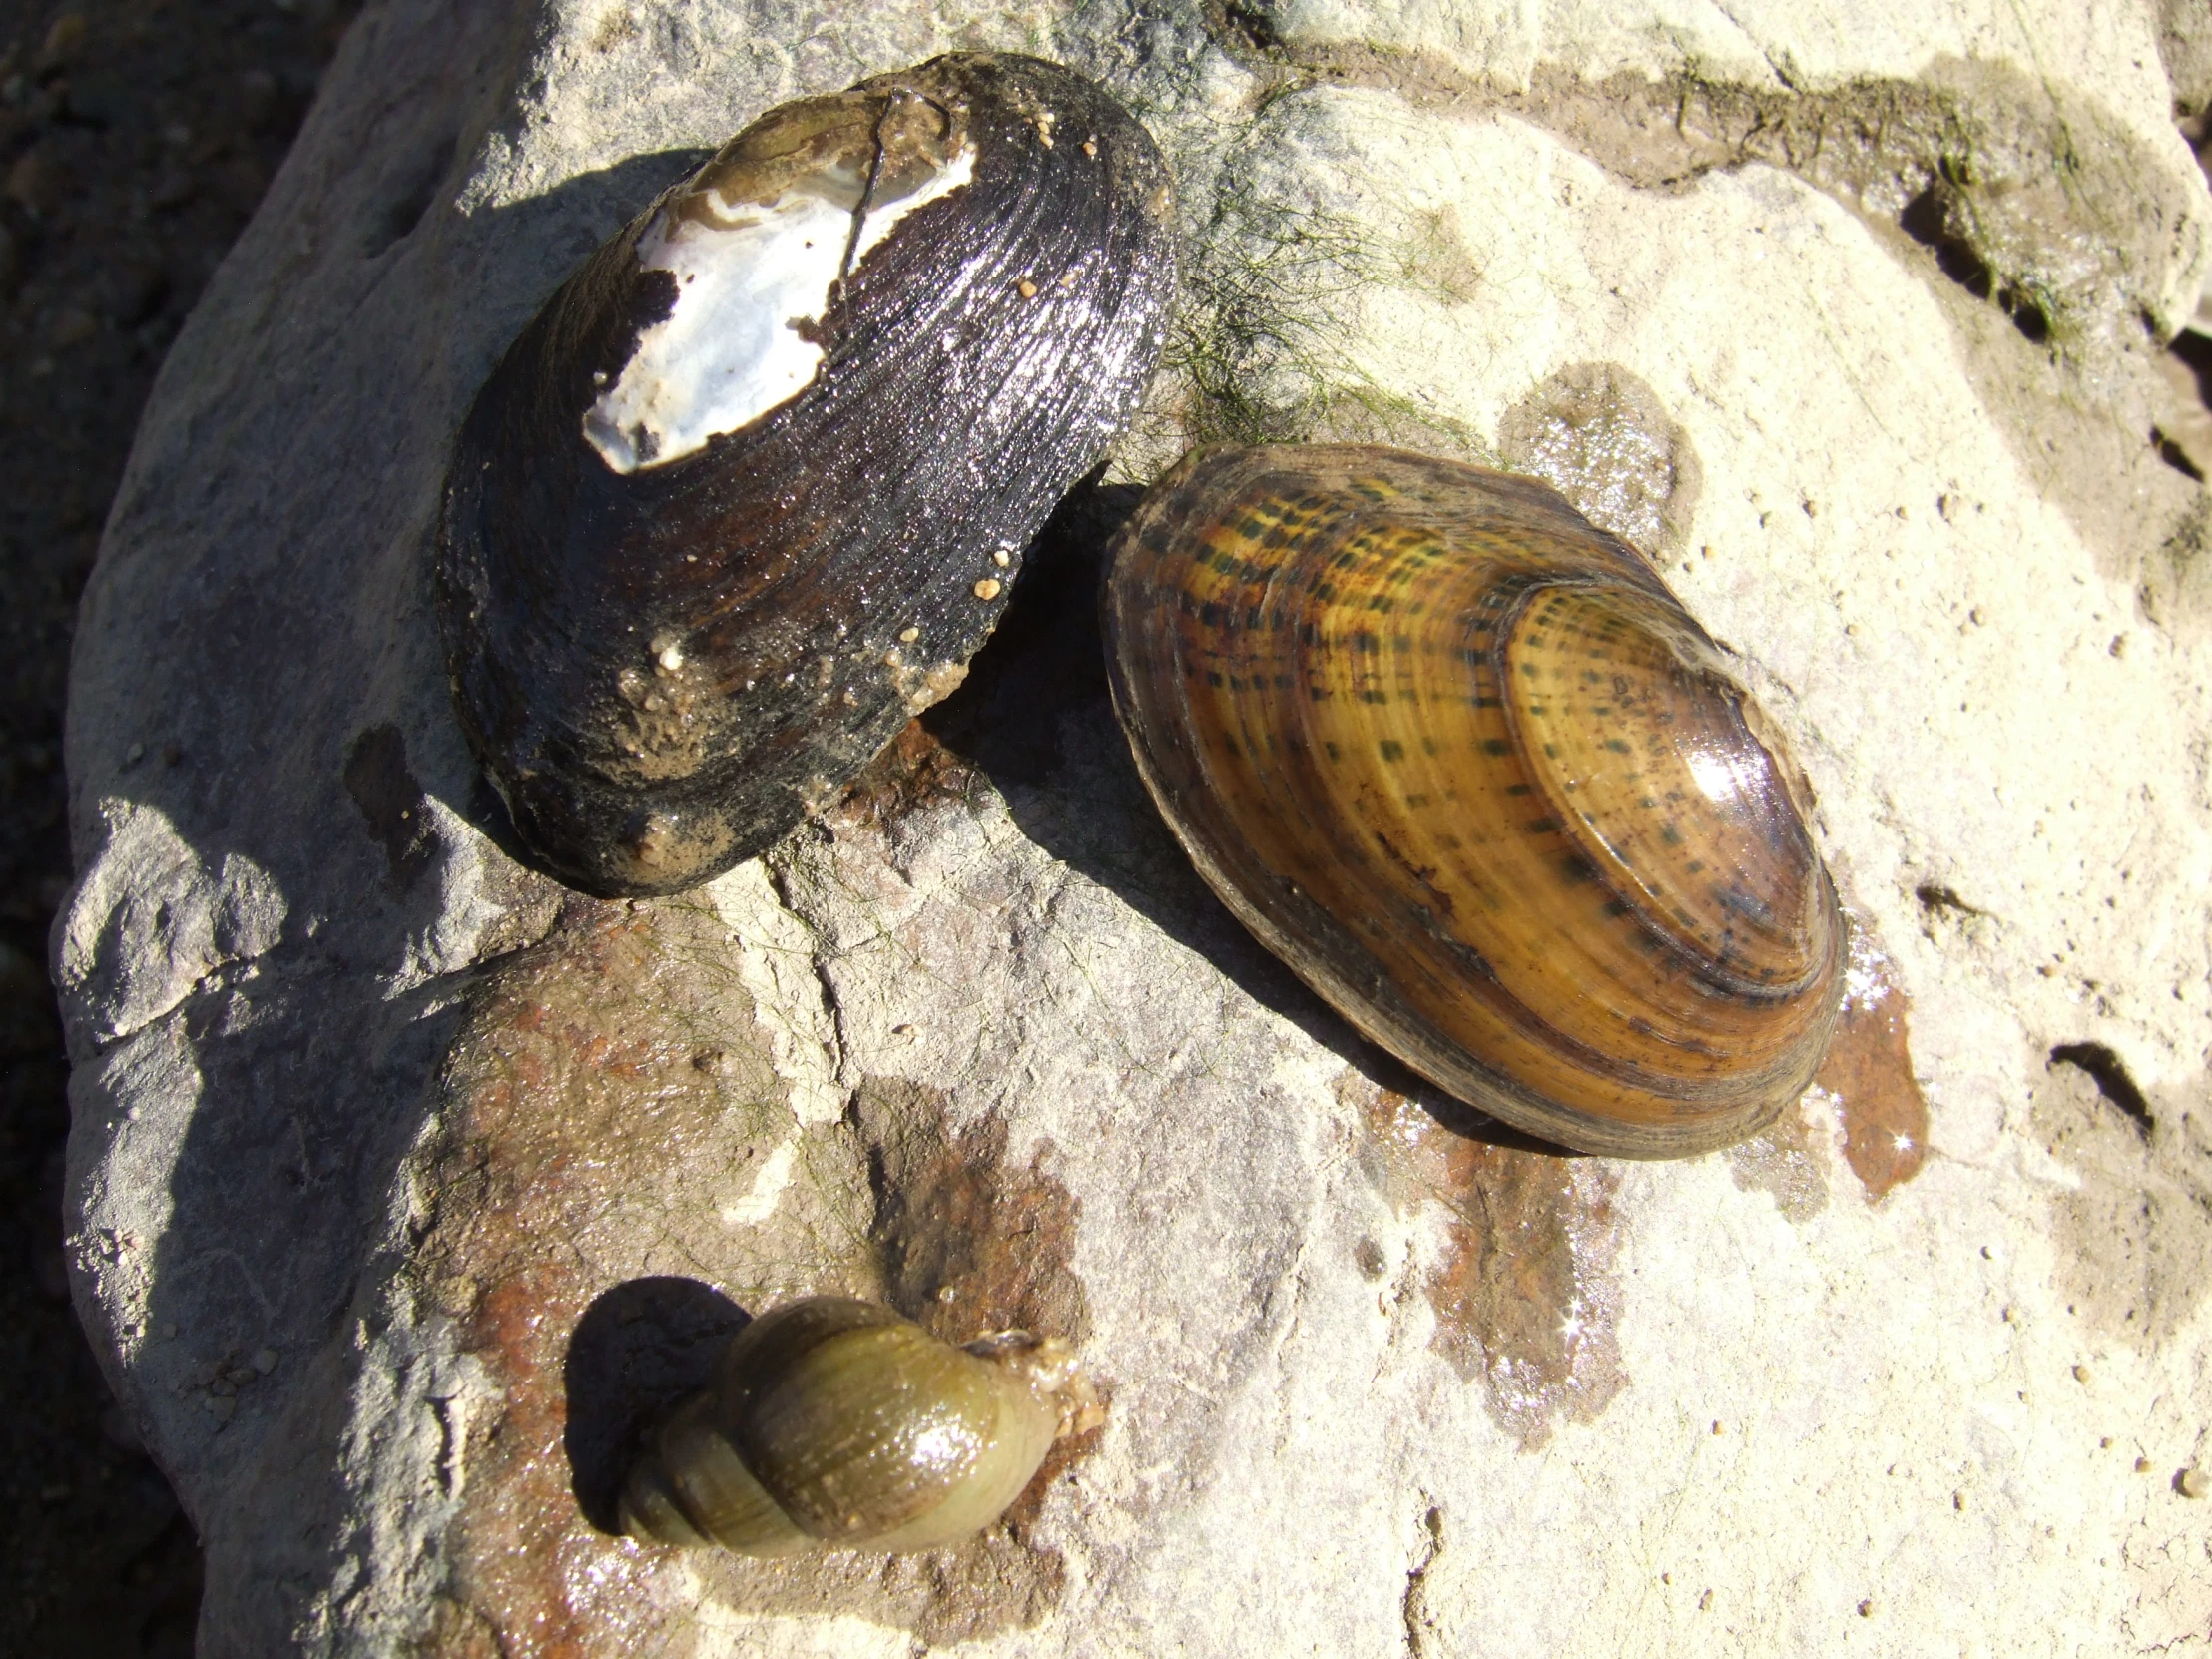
(751, 489)
(1463, 761)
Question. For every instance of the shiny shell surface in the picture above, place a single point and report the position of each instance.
(753, 484)
(1463, 762)
(832, 1422)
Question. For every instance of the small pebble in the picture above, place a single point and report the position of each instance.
(2194, 1483)
(989, 588)
(1705, 1602)
(908, 635)
(1028, 289)
(2081, 1374)
(1090, 146)
(1002, 558)
(1717, 1427)
(1866, 1608)
(265, 1360)
(2143, 1465)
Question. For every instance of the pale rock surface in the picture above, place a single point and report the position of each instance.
(402, 1184)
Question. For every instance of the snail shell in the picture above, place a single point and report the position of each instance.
(1463, 762)
(750, 490)
(834, 1423)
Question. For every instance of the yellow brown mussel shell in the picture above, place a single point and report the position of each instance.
(1463, 763)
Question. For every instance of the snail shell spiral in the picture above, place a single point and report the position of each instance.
(751, 487)
(835, 1424)
(1463, 762)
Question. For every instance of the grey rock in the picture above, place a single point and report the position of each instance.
(486, 1171)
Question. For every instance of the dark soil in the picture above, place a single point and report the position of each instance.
(136, 137)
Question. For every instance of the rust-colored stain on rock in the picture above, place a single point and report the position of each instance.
(1525, 1295)
(973, 1244)
(610, 1107)
(577, 1118)
(914, 771)
(1868, 1070)
(969, 1244)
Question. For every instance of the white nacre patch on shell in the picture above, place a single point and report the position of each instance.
(749, 280)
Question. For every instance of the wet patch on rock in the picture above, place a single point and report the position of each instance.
(390, 802)
(1868, 1074)
(1599, 435)
(610, 1109)
(2134, 1239)
(970, 1244)
(1865, 1102)
(2056, 259)
(620, 1183)
(1525, 1294)
(1787, 1162)
(914, 771)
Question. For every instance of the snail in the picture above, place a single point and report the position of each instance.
(1464, 762)
(835, 1424)
(753, 484)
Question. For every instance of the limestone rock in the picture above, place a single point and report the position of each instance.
(404, 1185)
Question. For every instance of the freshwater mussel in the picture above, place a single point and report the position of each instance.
(1467, 765)
(753, 486)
